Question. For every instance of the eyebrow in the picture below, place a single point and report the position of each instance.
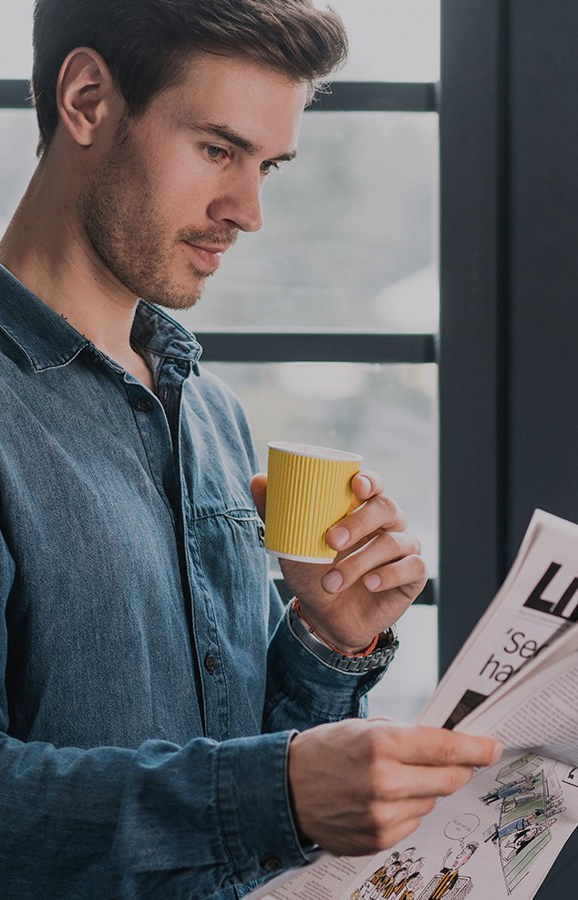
(232, 137)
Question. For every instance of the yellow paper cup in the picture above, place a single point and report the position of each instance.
(308, 491)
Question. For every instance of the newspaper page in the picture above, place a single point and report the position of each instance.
(536, 603)
(496, 838)
(538, 709)
(517, 679)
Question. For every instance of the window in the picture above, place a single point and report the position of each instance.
(325, 321)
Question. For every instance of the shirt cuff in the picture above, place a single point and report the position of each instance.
(254, 807)
(329, 693)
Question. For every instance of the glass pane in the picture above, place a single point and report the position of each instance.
(387, 413)
(350, 236)
(411, 680)
(391, 40)
(16, 39)
(18, 138)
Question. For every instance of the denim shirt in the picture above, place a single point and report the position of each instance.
(150, 678)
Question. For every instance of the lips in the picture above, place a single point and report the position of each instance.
(206, 257)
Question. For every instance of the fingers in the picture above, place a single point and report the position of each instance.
(374, 544)
(258, 487)
(424, 746)
(360, 786)
(378, 511)
(388, 560)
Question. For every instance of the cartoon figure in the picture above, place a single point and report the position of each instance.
(409, 890)
(373, 887)
(523, 838)
(416, 865)
(521, 800)
(523, 786)
(395, 884)
(449, 873)
(515, 826)
(390, 878)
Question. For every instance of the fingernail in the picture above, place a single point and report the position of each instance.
(497, 754)
(366, 483)
(372, 582)
(332, 581)
(339, 536)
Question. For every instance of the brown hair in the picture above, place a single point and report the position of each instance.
(146, 43)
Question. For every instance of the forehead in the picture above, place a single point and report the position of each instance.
(249, 98)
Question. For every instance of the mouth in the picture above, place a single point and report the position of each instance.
(208, 258)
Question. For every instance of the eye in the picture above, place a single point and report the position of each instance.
(214, 152)
(269, 166)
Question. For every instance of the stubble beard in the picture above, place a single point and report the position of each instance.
(130, 235)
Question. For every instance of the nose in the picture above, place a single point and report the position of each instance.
(240, 203)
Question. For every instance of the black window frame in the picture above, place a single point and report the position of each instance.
(241, 345)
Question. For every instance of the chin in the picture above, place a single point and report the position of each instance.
(176, 296)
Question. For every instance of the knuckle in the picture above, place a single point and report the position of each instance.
(429, 804)
(394, 517)
(457, 777)
(401, 520)
(449, 749)
(389, 783)
(371, 749)
(382, 820)
(352, 568)
(396, 544)
(419, 568)
(389, 506)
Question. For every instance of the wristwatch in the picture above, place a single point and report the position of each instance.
(379, 658)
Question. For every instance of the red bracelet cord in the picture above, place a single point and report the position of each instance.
(365, 652)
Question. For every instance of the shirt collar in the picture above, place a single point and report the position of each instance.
(49, 341)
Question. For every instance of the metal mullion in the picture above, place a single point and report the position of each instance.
(343, 96)
(474, 311)
(261, 347)
(378, 96)
(14, 93)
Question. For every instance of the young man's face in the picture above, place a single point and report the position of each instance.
(181, 180)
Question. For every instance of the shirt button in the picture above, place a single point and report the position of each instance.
(144, 405)
(210, 663)
(271, 863)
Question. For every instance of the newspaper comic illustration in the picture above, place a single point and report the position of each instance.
(516, 678)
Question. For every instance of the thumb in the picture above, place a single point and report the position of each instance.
(258, 487)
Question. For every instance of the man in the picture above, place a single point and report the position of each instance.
(168, 729)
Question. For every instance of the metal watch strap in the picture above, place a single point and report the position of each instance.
(379, 658)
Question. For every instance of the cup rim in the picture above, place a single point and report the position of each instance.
(312, 450)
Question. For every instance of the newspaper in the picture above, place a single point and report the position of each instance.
(516, 678)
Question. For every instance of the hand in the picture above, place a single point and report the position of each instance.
(377, 573)
(362, 785)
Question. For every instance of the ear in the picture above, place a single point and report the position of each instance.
(86, 95)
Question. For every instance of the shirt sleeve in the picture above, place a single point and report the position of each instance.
(118, 823)
(304, 691)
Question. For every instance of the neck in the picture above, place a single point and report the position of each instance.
(50, 255)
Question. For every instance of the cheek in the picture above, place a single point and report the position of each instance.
(173, 181)
(181, 194)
